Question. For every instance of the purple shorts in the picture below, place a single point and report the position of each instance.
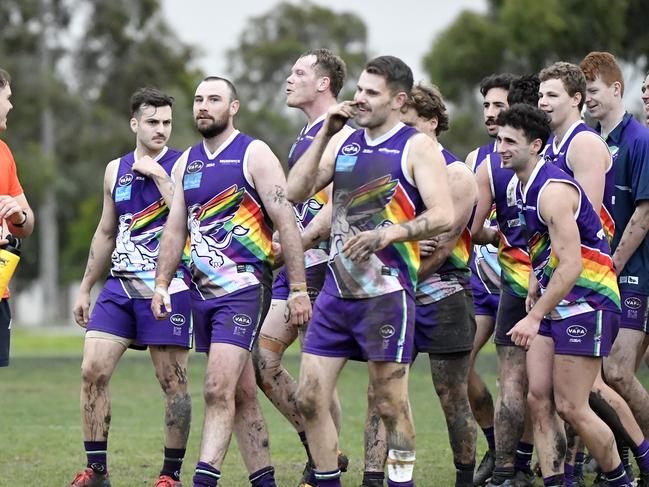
(484, 303)
(377, 329)
(446, 326)
(589, 334)
(132, 318)
(315, 277)
(634, 310)
(510, 311)
(234, 318)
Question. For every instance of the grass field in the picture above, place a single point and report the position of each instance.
(40, 432)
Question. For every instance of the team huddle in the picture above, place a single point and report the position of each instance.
(386, 245)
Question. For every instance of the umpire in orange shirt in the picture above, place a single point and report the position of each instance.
(16, 217)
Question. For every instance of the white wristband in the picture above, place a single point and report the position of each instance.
(296, 294)
(164, 293)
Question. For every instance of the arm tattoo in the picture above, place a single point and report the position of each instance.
(417, 228)
(278, 195)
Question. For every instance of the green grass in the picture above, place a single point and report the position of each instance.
(40, 431)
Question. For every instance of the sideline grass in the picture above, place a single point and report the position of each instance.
(40, 432)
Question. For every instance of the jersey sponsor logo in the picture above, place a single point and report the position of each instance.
(576, 331)
(390, 271)
(368, 151)
(345, 163)
(389, 151)
(242, 320)
(514, 222)
(230, 161)
(629, 280)
(123, 193)
(177, 319)
(351, 149)
(125, 180)
(192, 181)
(633, 302)
(194, 166)
(387, 331)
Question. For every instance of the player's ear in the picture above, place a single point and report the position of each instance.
(134, 124)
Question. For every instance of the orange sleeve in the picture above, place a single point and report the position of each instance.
(10, 185)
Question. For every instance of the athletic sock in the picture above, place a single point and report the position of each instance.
(641, 454)
(173, 462)
(490, 437)
(328, 479)
(569, 474)
(554, 481)
(394, 483)
(305, 444)
(464, 473)
(97, 455)
(264, 477)
(617, 477)
(206, 475)
(579, 464)
(501, 474)
(369, 476)
(523, 461)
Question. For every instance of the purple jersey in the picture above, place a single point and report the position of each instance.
(596, 287)
(141, 215)
(453, 275)
(306, 211)
(557, 152)
(485, 255)
(372, 189)
(513, 258)
(230, 231)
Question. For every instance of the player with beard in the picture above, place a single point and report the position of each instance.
(315, 81)
(137, 194)
(645, 98)
(233, 193)
(384, 175)
(484, 277)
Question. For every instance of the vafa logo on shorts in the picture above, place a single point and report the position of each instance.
(387, 331)
(177, 319)
(242, 320)
(576, 331)
(633, 302)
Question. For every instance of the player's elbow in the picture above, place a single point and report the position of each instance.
(295, 192)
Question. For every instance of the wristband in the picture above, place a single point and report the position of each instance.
(296, 294)
(296, 287)
(161, 281)
(22, 223)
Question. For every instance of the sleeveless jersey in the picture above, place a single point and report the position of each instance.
(454, 274)
(372, 189)
(557, 152)
(485, 254)
(229, 229)
(596, 287)
(306, 211)
(141, 215)
(515, 265)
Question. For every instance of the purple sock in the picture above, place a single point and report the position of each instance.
(579, 464)
(569, 474)
(554, 481)
(97, 455)
(524, 452)
(264, 477)
(206, 475)
(409, 483)
(490, 437)
(328, 479)
(641, 454)
(617, 477)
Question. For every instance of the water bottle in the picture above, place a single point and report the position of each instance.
(9, 257)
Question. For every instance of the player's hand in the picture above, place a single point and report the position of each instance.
(337, 117)
(524, 331)
(278, 257)
(360, 247)
(161, 303)
(146, 166)
(10, 209)
(428, 247)
(81, 309)
(298, 306)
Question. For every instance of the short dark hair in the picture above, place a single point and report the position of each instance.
(571, 77)
(501, 80)
(330, 65)
(427, 101)
(533, 121)
(5, 79)
(233, 90)
(524, 89)
(151, 97)
(397, 74)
